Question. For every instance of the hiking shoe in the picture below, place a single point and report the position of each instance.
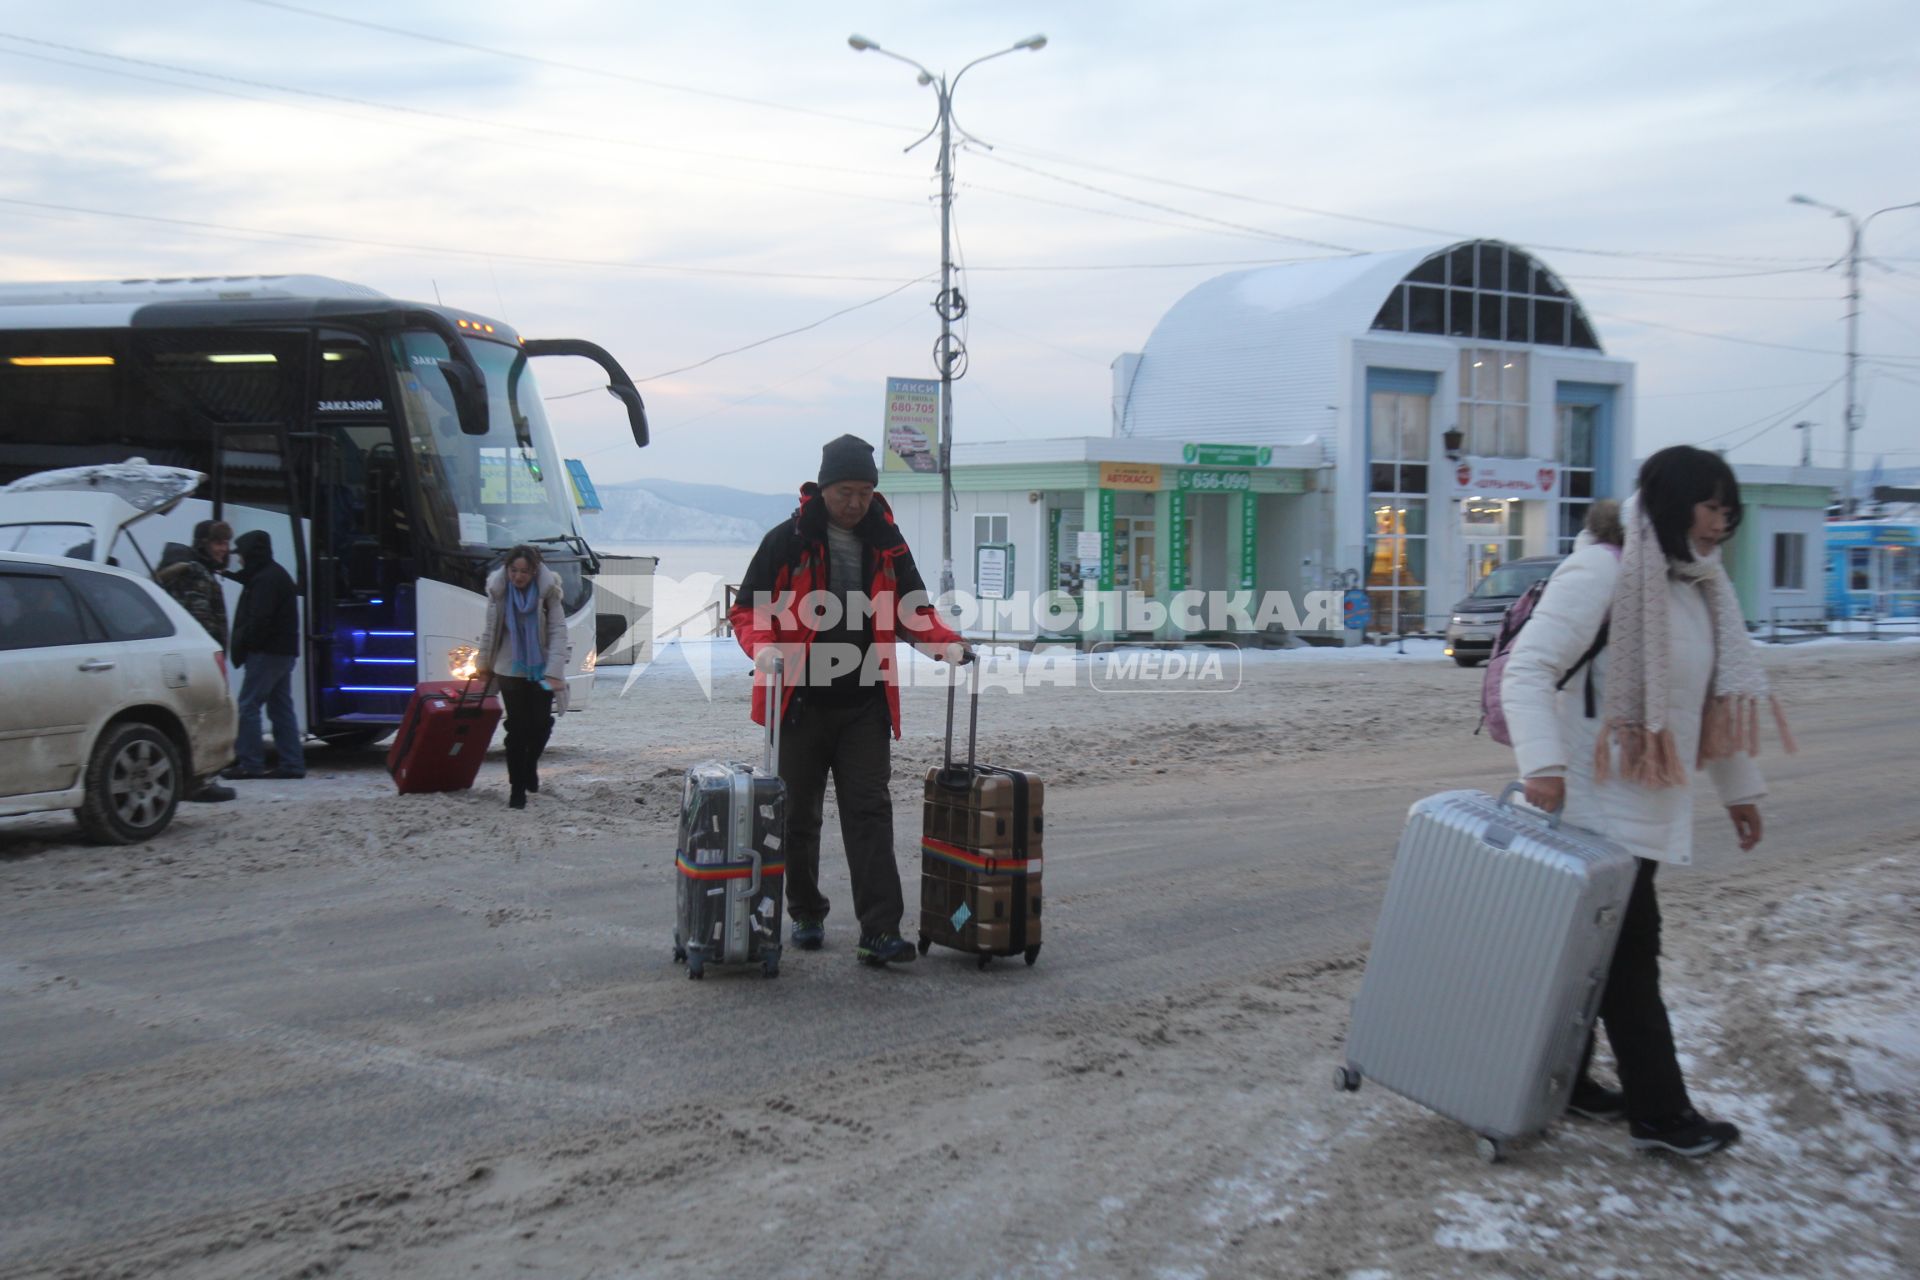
(1595, 1101)
(1687, 1134)
(884, 948)
(809, 935)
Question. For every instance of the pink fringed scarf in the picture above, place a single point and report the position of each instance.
(1640, 666)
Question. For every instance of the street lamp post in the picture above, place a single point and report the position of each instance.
(1856, 227)
(949, 354)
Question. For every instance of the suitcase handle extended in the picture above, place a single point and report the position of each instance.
(948, 778)
(1520, 789)
(776, 708)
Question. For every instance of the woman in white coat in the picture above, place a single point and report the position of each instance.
(1677, 686)
(524, 649)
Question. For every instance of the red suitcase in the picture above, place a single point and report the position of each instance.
(443, 736)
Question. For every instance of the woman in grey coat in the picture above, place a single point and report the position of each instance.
(524, 649)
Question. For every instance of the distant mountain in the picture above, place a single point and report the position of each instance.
(656, 511)
(762, 509)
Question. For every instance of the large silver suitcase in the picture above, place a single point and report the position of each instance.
(1488, 963)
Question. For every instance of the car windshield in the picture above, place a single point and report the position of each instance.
(73, 541)
(482, 492)
(1510, 580)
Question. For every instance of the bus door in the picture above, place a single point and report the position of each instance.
(236, 393)
(364, 562)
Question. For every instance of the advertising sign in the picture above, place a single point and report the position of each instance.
(993, 571)
(1130, 475)
(1176, 541)
(1214, 481)
(1227, 455)
(585, 496)
(1249, 540)
(1507, 477)
(912, 426)
(1106, 539)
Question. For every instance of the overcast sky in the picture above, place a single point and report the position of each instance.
(677, 181)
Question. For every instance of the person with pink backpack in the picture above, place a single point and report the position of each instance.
(1674, 685)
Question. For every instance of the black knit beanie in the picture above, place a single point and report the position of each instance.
(848, 458)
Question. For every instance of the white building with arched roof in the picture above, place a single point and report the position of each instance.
(1405, 421)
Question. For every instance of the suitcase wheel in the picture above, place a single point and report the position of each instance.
(984, 961)
(1490, 1150)
(770, 968)
(1346, 1079)
(926, 944)
(1032, 953)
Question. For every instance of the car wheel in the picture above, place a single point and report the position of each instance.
(134, 783)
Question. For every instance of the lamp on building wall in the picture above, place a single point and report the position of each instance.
(1452, 439)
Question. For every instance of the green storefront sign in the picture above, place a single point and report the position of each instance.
(1213, 481)
(1249, 539)
(1106, 539)
(1227, 455)
(1177, 541)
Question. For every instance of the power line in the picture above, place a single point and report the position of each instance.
(406, 247)
(1721, 391)
(1748, 342)
(761, 342)
(1779, 416)
(1264, 232)
(399, 109)
(1108, 213)
(582, 68)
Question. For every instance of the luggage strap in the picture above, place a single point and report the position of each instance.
(1018, 864)
(727, 871)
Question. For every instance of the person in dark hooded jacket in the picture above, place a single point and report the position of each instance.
(191, 575)
(266, 645)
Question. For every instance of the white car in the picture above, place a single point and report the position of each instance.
(116, 702)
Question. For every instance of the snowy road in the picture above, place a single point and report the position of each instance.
(328, 1026)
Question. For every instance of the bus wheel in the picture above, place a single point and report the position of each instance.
(356, 739)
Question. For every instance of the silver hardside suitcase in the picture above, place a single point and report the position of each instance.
(1488, 963)
(730, 864)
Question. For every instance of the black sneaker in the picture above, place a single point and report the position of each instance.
(809, 935)
(1687, 1134)
(884, 948)
(213, 793)
(1594, 1101)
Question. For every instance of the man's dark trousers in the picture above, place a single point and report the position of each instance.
(853, 741)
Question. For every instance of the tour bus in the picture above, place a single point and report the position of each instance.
(393, 450)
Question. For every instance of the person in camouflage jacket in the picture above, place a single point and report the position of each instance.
(191, 575)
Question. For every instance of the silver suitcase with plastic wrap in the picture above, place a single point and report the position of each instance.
(1488, 963)
(730, 866)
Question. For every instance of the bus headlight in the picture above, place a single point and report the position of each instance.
(592, 663)
(463, 660)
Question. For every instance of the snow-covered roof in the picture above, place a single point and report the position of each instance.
(1256, 356)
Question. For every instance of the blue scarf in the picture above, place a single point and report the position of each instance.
(523, 621)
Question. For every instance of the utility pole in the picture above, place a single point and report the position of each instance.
(1856, 228)
(949, 353)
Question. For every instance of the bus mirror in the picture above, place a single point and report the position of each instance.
(469, 397)
(619, 384)
(636, 412)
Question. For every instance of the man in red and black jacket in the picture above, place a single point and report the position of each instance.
(826, 596)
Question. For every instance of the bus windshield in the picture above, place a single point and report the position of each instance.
(482, 492)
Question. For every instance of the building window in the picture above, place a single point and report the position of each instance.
(989, 530)
(1493, 402)
(1789, 562)
(1488, 291)
(1578, 425)
(1398, 446)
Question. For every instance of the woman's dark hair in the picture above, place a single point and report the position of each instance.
(1674, 481)
(523, 552)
